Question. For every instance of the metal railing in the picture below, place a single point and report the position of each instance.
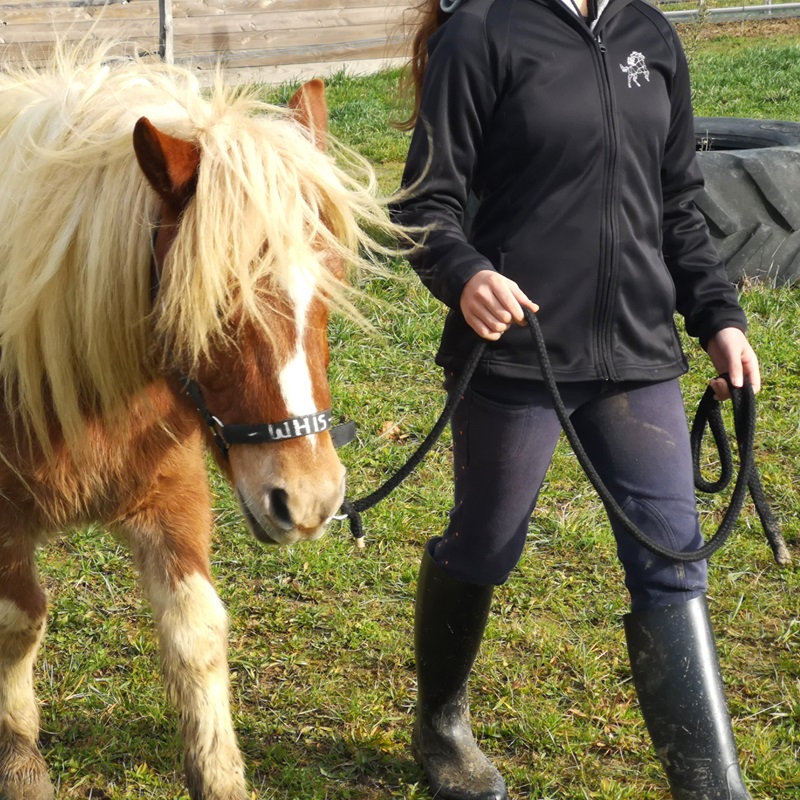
(733, 13)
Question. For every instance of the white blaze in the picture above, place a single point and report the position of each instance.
(295, 379)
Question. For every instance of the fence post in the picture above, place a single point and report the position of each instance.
(165, 31)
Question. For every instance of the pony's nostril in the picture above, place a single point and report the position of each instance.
(279, 505)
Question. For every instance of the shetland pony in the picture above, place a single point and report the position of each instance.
(157, 240)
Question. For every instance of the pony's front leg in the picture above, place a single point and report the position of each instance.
(192, 629)
(23, 773)
(193, 636)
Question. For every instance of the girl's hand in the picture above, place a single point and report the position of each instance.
(730, 352)
(491, 302)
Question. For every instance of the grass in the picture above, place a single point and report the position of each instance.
(760, 81)
(320, 656)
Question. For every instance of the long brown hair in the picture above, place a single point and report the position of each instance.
(426, 17)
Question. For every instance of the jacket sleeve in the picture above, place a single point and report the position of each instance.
(458, 97)
(705, 296)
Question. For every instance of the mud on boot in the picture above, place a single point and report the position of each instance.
(676, 674)
(450, 618)
(454, 765)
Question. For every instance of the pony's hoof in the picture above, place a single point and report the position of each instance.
(37, 787)
(211, 784)
(23, 773)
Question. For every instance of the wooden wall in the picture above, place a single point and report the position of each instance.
(270, 40)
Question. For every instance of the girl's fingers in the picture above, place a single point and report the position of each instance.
(524, 302)
(491, 303)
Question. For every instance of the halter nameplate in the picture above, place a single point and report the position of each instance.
(292, 428)
(270, 432)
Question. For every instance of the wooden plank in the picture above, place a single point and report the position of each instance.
(143, 28)
(64, 14)
(67, 17)
(296, 73)
(44, 4)
(233, 25)
(376, 50)
(39, 53)
(217, 46)
(321, 52)
(255, 6)
(219, 40)
(277, 39)
(333, 18)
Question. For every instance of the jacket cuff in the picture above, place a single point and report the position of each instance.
(718, 323)
(458, 280)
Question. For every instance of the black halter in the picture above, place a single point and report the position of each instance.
(292, 428)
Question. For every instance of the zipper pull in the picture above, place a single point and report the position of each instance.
(600, 44)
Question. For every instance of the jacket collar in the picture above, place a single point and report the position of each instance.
(605, 9)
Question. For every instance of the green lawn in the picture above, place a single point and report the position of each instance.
(321, 660)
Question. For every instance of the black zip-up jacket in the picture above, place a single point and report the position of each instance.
(579, 143)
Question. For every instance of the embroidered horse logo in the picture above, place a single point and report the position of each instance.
(635, 68)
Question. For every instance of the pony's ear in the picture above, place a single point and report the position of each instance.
(311, 110)
(169, 164)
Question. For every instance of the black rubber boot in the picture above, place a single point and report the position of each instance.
(676, 674)
(450, 618)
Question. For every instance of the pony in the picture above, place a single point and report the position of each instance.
(168, 260)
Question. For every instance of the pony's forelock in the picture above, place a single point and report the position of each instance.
(78, 327)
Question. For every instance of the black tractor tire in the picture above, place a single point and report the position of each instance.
(751, 199)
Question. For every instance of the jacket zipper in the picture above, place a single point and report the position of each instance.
(604, 303)
(608, 277)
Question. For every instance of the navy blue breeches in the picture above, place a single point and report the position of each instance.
(636, 435)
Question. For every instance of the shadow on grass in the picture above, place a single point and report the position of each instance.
(106, 753)
(94, 759)
(334, 768)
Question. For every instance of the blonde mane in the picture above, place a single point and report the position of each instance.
(78, 327)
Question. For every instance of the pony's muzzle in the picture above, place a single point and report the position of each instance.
(283, 508)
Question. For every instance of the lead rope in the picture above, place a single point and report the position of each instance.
(353, 509)
(708, 414)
